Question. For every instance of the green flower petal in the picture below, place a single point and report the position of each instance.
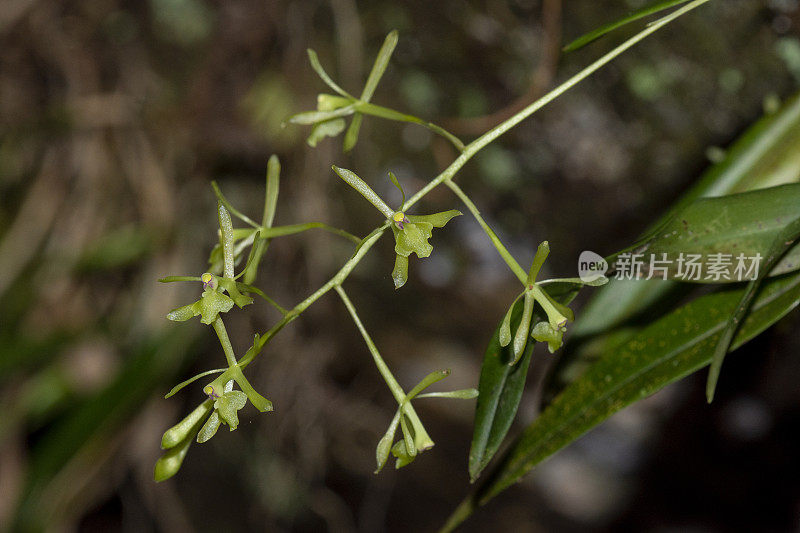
(184, 313)
(400, 272)
(209, 429)
(438, 220)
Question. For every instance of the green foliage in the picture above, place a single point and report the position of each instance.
(677, 344)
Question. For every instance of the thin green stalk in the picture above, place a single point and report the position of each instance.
(222, 333)
(501, 249)
(397, 391)
(478, 144)
(337, 279)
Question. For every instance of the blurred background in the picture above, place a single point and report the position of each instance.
(115, 115)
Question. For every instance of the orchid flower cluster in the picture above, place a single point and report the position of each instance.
(222, 289)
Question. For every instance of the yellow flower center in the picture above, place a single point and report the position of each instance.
(399, 216)
(205, 278)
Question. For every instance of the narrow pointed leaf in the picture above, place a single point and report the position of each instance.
(765, 155)
(500, 387)
(461, 394)
(611, 26)
(723, 231)
(783, 241)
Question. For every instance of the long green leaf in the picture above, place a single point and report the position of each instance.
(745, 224)
(646, 11)
(783, 241)
(501, 385)
(767, 154)
(678, 344)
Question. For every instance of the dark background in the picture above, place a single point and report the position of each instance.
(115, 116)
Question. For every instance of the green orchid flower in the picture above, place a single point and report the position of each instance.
(412, 443)
(411, 234)
(551, 330)
(226, 408)
(329, 119)
(212, 302)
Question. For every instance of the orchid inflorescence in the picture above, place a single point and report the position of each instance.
(223, 290)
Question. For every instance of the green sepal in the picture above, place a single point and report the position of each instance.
(314, 117)
(521, 336)
(169, 463)
(258, 401)
(209, 429)
(437, 220)
(183, 429)
(408, 437)
(396, 183)
(504, 335)
(209, 306)
(351, 137)
(400, 271)
(385, 444)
